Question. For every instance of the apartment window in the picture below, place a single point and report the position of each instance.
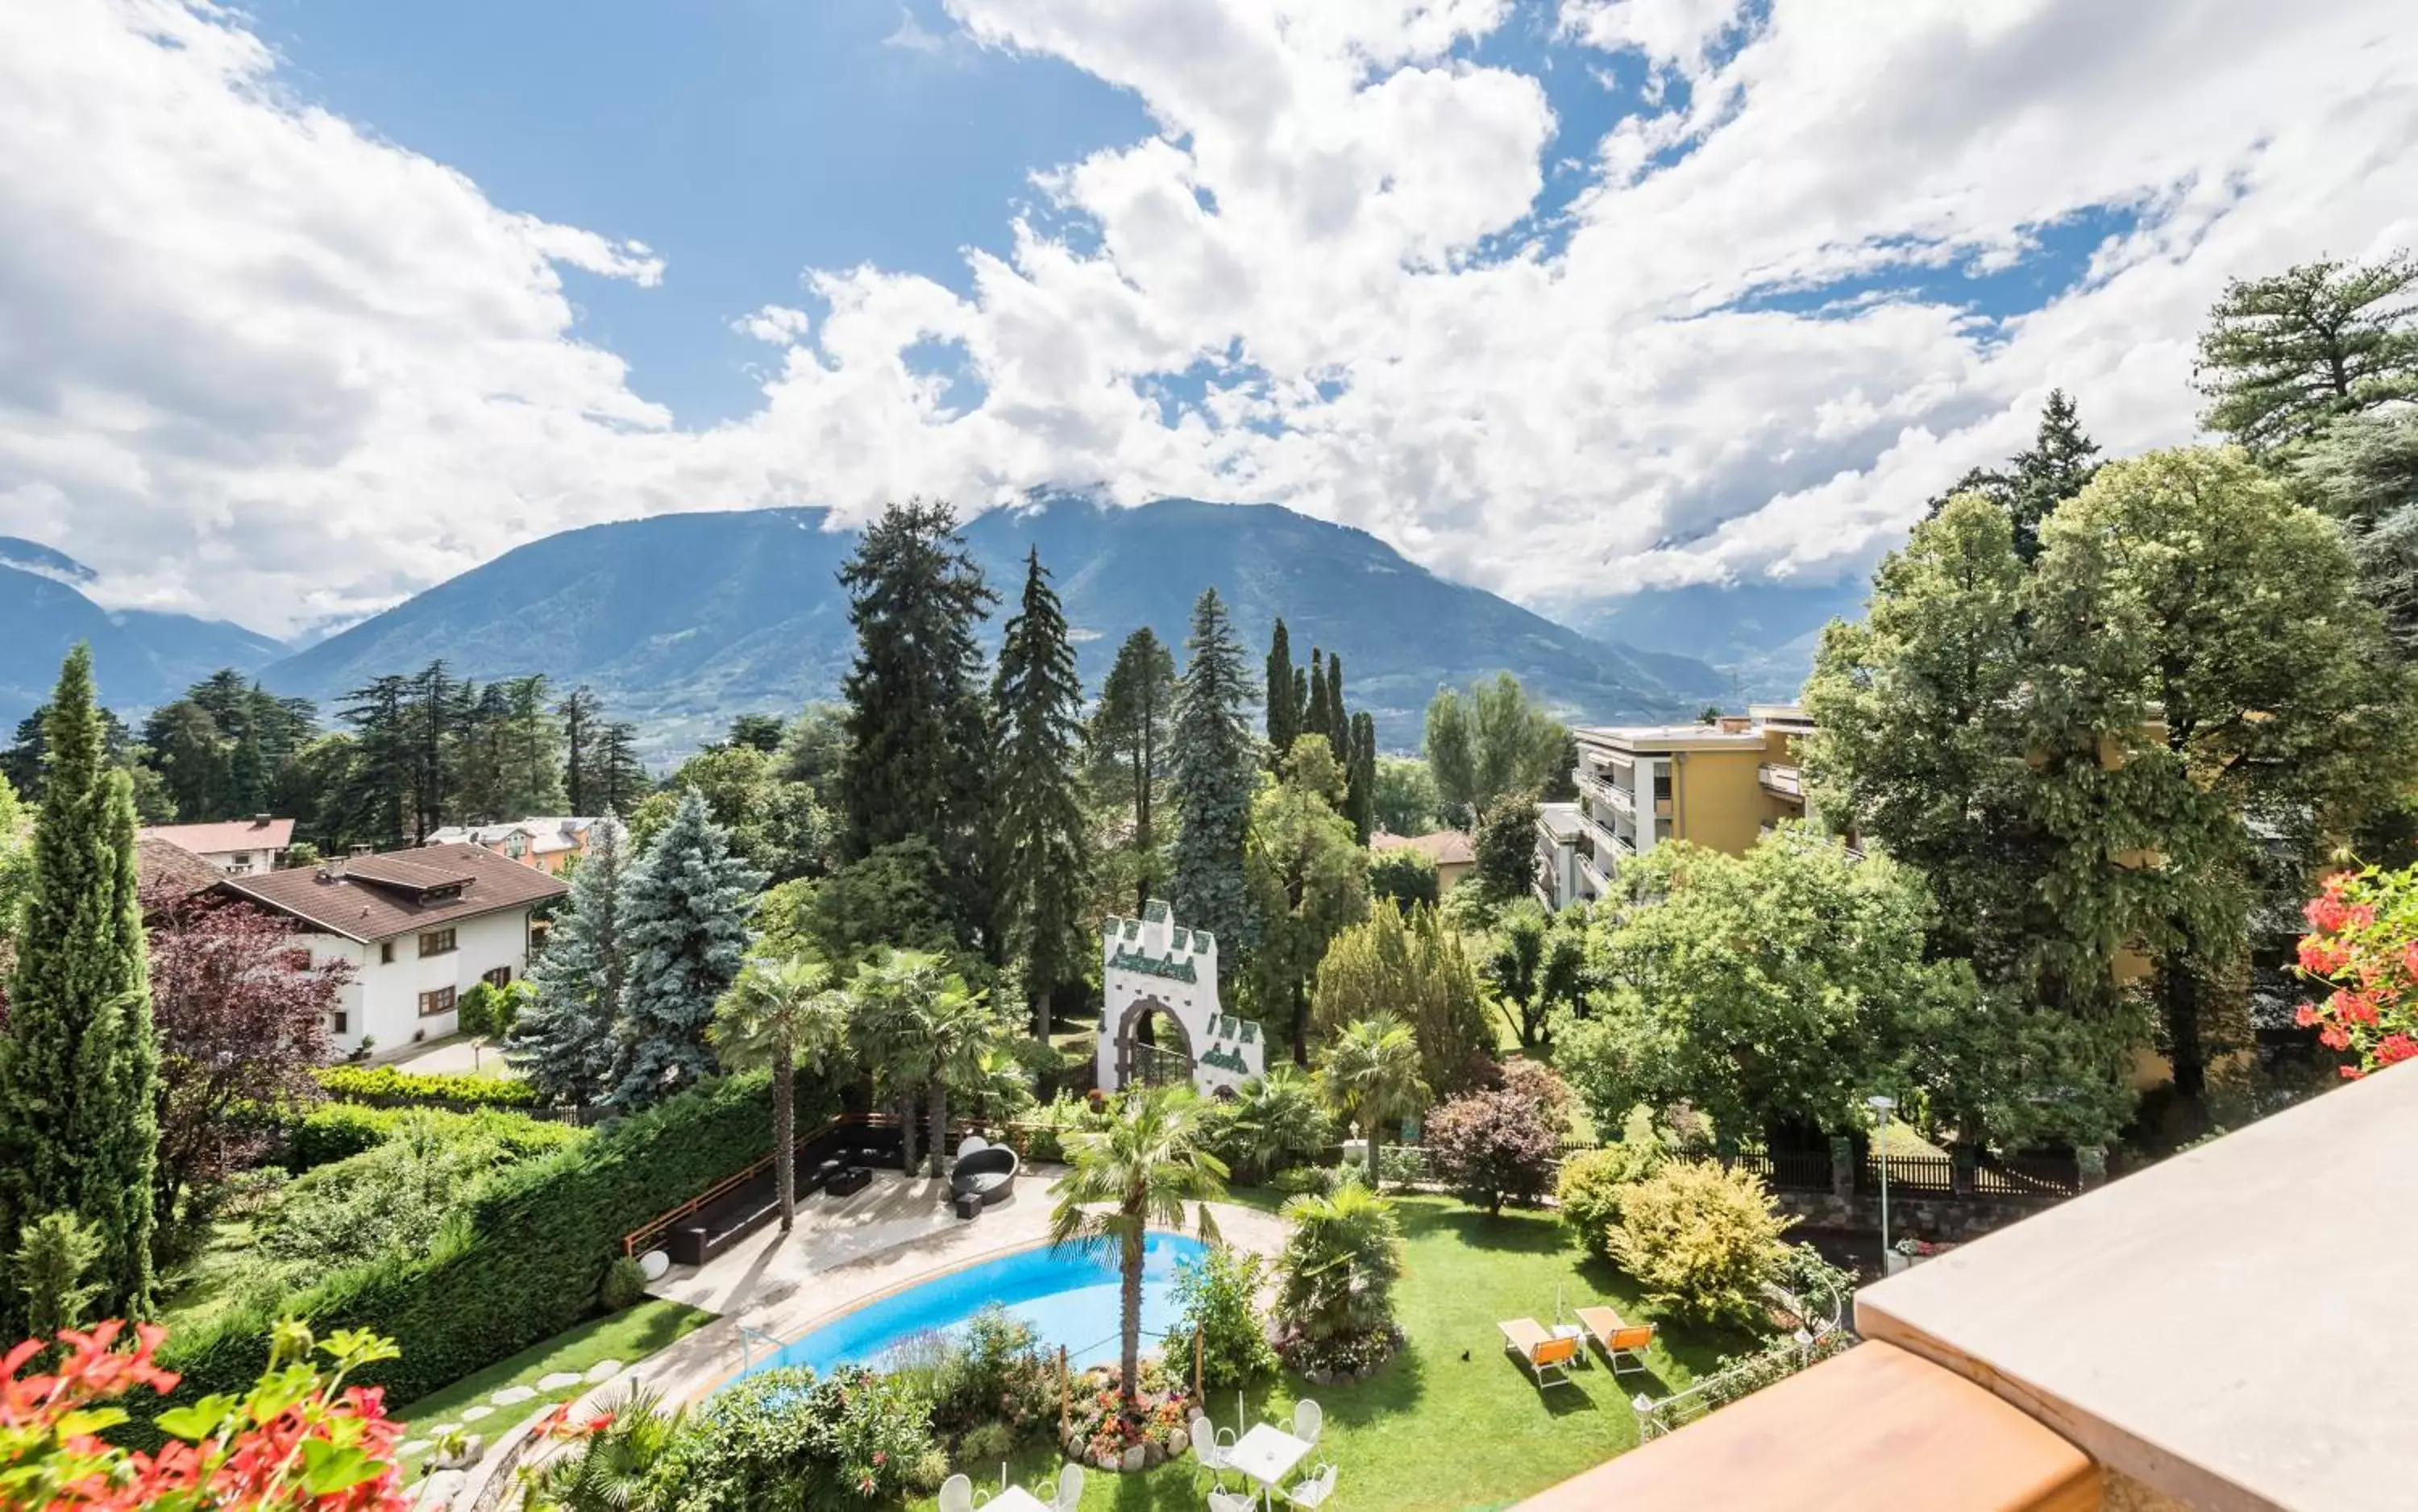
(340, 1022)
(1662, 784)
(439, 1001)
(436, 942)
(499, 978)
(386, 953)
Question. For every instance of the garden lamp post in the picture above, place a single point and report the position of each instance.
(1881, 1108)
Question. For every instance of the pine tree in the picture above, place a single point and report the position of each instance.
(1360, 796)
(919, 743)
(1215, 771)
(1044, 852)
(621, 777)
(562, 1044)
(684, 931)
(2285, 356)
(78, 1069)
(1130, 737)
(378, 790)
(2057, 468)
(1284, 711)
(437, 708)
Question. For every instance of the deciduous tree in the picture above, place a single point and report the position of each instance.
(1308, 879)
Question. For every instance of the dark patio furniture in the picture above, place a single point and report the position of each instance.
(849, 1183)
(987, 1174)
(969, 1205)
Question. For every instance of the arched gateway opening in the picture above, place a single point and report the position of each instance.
(1162, 1057)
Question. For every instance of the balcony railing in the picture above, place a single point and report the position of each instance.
(1780, 778)
(1613, 796)
(1596, 877)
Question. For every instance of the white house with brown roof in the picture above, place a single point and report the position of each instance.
(419, 928)
(549, 844)
(238, 848)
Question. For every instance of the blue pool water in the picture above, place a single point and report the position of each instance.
(1069, 1298)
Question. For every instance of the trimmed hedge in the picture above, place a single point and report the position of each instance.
(339, 1131)
(386, 1086)
(527, 1262)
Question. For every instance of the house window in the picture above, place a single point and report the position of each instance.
(1662, 784)
(386, 953)
(340, 1022)
(436, 942)
(499, 978)
(439, 1001)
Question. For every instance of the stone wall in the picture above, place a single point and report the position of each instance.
(1947, 1219)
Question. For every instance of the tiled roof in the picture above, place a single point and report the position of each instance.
(375, 897)
(1445, 847)
(231, 835)
(166, 872)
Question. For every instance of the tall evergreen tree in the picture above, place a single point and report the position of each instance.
(562, 1042)
(620, 776)
(581, 719)
(2054, 469)
(1313, 713)
(378, 795)
(685, 932)
(1332, 721)
(2285, 356)
(1360, 795)
(918, 763)
(1284, 711)
(1216, 770)
(1044, 850)
(80, 1066)
(1309, 880)
(1131, 733)
(438, 709)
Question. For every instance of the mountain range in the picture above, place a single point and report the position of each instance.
(679, 622)
(140, 658)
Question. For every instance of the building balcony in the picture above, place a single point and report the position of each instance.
(1596, 877)
(1781, 780)
(1615, 798)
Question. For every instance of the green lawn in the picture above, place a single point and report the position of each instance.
(629, 1336)
(1454, 1422)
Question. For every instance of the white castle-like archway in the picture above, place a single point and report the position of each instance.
(1156, 970)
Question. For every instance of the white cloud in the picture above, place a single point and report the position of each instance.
(257, 361)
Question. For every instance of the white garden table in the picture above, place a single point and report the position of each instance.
(1016, 1499)
(1266, 1455)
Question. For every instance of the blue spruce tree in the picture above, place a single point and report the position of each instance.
(563, 1042)
(685, 914)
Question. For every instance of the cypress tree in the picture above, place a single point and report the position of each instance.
(1361, 794)
(685, 934)
(1331, 722)
(1044, 864)
(1313, 713)
(562, 1042)
(1215, 771)
(1284, 710)
(79, 1067)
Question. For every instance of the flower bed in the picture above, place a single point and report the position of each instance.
(1102, 1431)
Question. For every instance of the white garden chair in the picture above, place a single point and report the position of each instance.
(1314, 1491)
(957, 1494)
(1209, 1449)
(1232, 1501)
(1308, 1418)
(1070, 1490)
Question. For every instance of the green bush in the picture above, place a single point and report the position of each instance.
(1591, 1182)
(1218, 1294)
(1334, 1291)
(1295, 1180)
(624, 1285)
(1702, 1240)
(490, 1010)
(386, 1085)
(524, 1262)
(337, 1131)
(782, 1439)
(1406, 876)
(396, 1193)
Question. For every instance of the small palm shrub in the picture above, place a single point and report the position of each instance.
(1702, 1240)
(1275, 1121)
(617, 1454)
(1335, 1293)
(1220, 1295)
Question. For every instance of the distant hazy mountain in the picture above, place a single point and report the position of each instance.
(140, 658)
(681, 620)
(1760, 635)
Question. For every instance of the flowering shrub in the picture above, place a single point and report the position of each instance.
(1100, 1428)
(2363, 942)
(298, 1438)
(784, 1438)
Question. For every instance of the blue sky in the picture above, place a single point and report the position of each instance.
(1576, 300)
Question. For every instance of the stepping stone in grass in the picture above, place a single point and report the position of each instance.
(558, 1379)
(602, 1371)
(512, 1396)
(442, 1429)
(472, 1414)
(412, 1447)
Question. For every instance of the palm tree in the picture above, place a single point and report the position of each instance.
(1278, 1118)
(889, 1028)
(1373, 1073)
(963, 1027)
(610, 1469)
(779, 1007)
(1335, 1277)
(1119, 1181)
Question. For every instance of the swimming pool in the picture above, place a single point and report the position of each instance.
(1068, 1297)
